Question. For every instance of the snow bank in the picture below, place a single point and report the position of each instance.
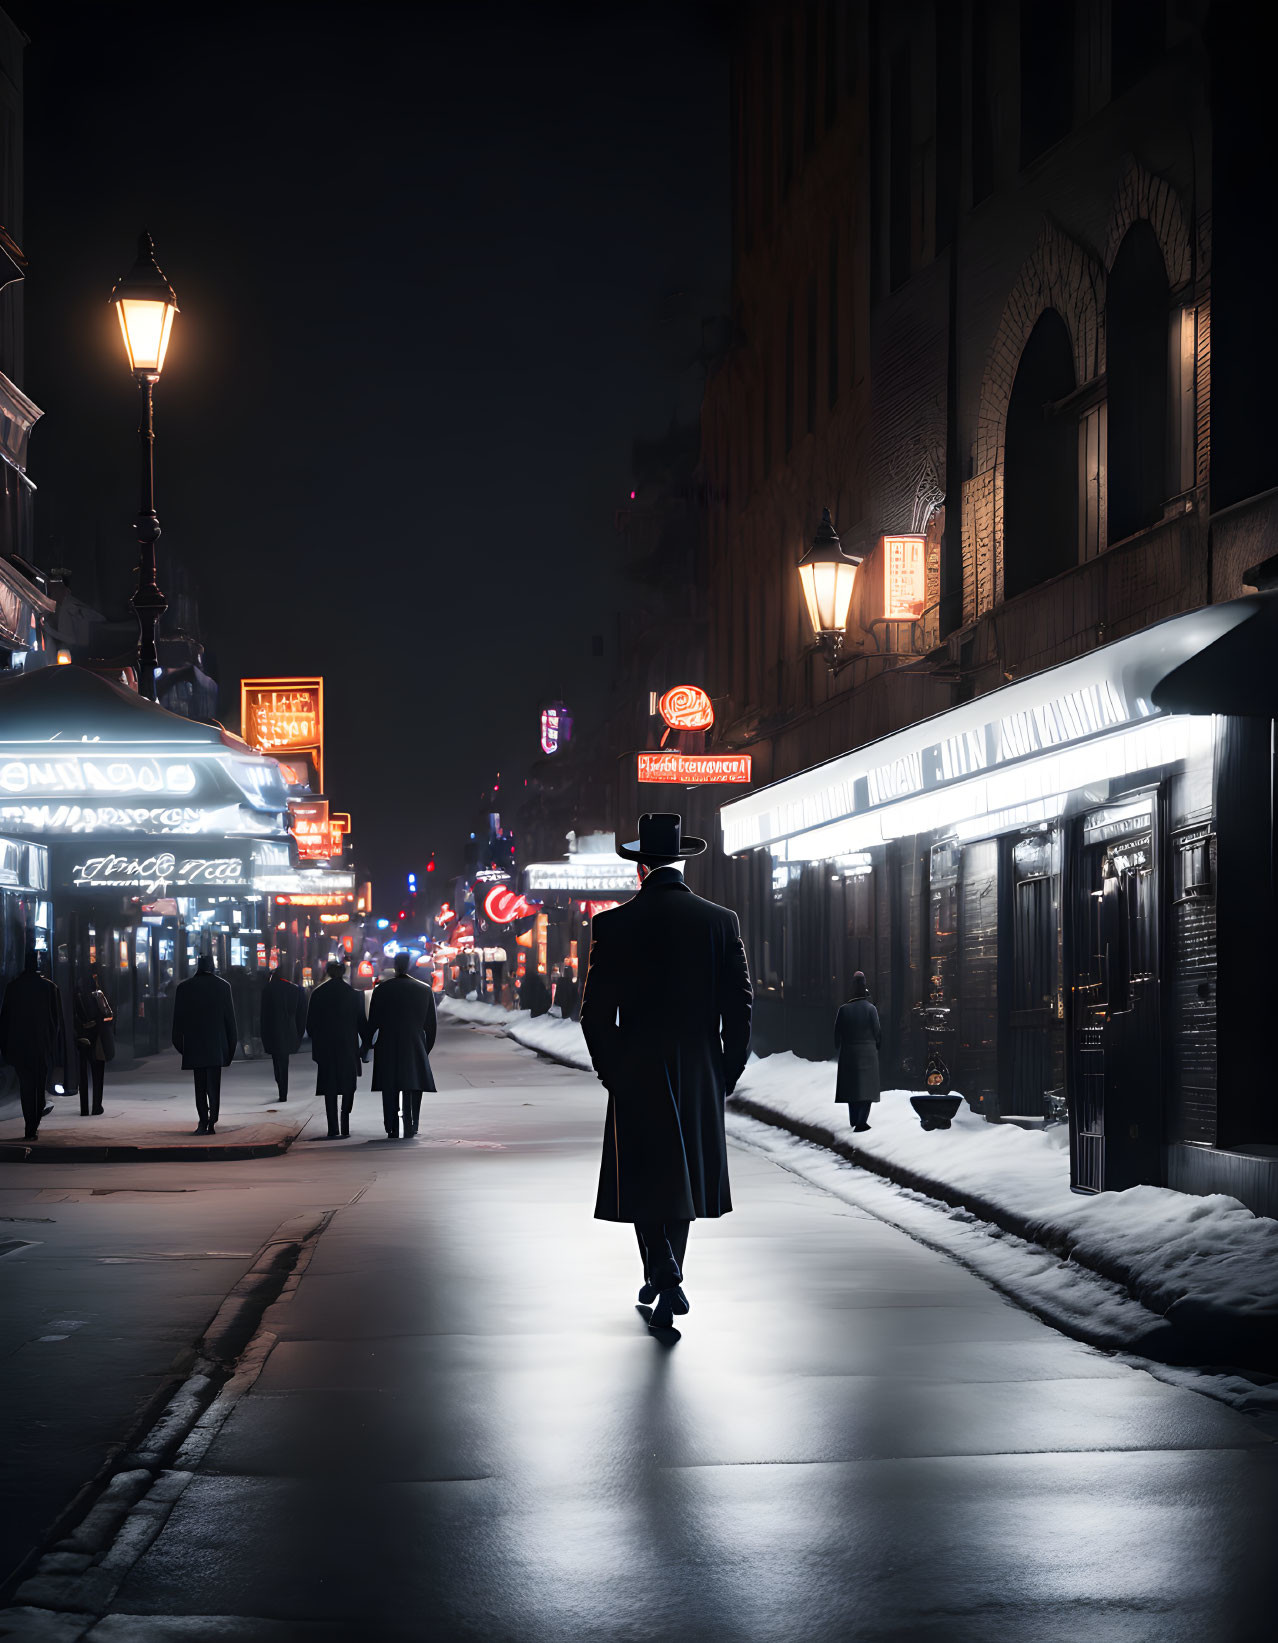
(1208, 1267)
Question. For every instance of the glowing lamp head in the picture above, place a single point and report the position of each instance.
(826, 575)
(145, 303)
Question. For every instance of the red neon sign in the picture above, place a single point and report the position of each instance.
(503, 905)
(593, 907)
(686, 707)
(695, 768)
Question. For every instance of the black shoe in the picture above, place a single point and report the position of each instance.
(858, 1129)
(346, 1127)
(648, 1294)
(679, 1302)
(392, 1134)
(663, 1312)
(333, 1135)
(47, 1110)
(281, 1098)
(212, 1129)
(96, 1112)
(202, 1128)
(32, 1135)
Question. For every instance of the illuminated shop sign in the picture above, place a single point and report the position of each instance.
(583, 875)
(504, 906)
(556, 727)
(316, 899)
(311, 828)
(277, 881)
(154, 874)
(285, 716)
(112, 818)
(904, 577)
(81, 773)
(695, 768)
(686, 707)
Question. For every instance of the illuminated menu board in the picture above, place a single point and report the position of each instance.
(903, 577)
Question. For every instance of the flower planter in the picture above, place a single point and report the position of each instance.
(936, 1111)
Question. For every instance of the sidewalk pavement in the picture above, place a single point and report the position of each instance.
(1205, 1268)
(149, 1115)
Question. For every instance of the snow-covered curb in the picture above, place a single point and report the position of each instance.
(1206, 1267)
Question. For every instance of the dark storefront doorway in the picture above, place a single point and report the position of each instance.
(1115, 1075)
(1035, 1085)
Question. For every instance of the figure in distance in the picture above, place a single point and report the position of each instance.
(335, 1026)
(401, 1028)
(204, 1031)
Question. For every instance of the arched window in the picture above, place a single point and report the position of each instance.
(1136, 321)
(1040, 472)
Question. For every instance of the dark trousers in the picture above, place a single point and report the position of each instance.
(859, 1112)
(92, 1071)
(663, 1245)
(31, 1093)
(412, 1110)
(208, 1093)
(330, 1109)
(280, 1063)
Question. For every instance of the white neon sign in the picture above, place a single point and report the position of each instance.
(154, 874)
(79, 774)
(111, 818)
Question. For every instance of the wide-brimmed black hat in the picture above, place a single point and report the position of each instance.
(661, 840)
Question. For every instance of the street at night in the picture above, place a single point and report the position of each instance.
(638, 822)
(455, 1424)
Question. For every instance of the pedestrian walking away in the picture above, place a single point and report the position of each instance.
(283, 1023)
(335, 1025)
(666, 1015)
(30, 1038)
(857, 1036)
(401, 1031)
(94, 1041)
(204, 1031)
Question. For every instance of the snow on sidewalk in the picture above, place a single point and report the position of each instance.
(1207, 1267)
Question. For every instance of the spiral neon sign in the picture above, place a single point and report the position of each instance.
(503, 906)
(686, 707)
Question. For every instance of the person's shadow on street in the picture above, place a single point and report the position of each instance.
(663, 1337)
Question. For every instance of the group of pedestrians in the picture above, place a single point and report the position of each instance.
(398, 1032)
(33, 1040)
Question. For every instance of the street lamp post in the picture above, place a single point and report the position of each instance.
(145, 303)
(826, 575)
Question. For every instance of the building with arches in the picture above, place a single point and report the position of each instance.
(997, 292)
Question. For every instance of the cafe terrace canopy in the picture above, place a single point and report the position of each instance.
(1011, 757)
(81, 755)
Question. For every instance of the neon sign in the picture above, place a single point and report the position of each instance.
(556, 728)
(79, 774)
(903, 577)
(695, 768)
(156, 873)
(686, 707)
(103, 818)
(311, 828)
(285, 715)
(504, 906)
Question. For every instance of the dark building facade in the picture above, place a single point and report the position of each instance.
(996, 306)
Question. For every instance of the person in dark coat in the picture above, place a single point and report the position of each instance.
(30, 1032)
(204, 1031)
(857, 1036)
(283, 1023)
(535, 995)
(666, 1015)
(94, 1039)
(566, 995)
(335, 1025)
(401, 1028)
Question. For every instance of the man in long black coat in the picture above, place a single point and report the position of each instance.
(666, 1014)
(283, 1023)
(30, 1027)
(204, 1030)
(335, 1025)
(401, 1027)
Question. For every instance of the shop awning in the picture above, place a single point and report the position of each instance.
(1236, 674)
(1011, 755)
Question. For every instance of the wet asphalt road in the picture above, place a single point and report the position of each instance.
(464, 1429)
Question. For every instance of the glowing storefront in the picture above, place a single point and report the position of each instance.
(1033, 883)
(159, 831)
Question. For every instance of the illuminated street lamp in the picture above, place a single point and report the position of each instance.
(826, 575)
(145, 303)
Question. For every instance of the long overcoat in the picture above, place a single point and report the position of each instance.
(857, 1035)
(335, 1025)
(31, 1026)
(666, 1014)
(283, 1015)
(401, 1028)
(204, 1021)
(94, 1024)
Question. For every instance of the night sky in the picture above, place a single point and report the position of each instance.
(437, 267)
